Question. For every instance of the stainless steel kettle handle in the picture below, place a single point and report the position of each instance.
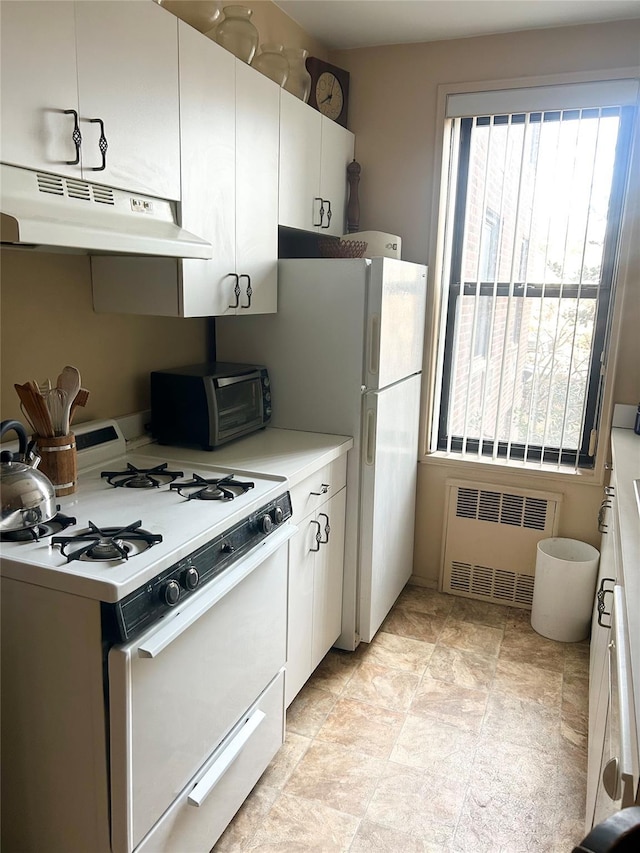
(8, 425)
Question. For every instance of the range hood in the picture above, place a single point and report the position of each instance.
(43, 210)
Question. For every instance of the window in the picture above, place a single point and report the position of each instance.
(533, 213)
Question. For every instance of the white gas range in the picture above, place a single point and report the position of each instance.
(144, 640)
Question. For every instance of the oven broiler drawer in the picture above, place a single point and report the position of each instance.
(237, 764)
(178, 690)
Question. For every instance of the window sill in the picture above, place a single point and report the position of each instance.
(535, 470)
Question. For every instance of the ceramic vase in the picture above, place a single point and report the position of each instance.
(299, 79)
(272, 62)
(236, 33)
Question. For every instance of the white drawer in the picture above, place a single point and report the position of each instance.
(197, 828)
(308, 495)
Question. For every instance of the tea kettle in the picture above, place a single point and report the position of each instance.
(28, 497)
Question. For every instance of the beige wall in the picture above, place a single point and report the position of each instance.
(47, 319)
(393, 112)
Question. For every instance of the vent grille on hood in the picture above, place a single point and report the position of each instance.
(41, 210)
(73, 188)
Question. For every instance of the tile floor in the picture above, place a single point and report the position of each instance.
(457, 729)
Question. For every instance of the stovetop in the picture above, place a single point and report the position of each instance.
(184, 524)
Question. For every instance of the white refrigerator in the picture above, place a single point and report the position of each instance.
(344, 354)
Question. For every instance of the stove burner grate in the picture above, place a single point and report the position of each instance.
(59, 522)
(220, 489)
(142, 478)
(110, 543)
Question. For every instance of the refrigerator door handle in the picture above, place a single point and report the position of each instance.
(370, 439)
(374, 343)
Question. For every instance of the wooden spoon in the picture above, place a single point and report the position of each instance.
(69, 382)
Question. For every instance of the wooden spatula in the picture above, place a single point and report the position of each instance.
(80, 399)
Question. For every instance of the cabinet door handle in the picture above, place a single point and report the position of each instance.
(321, 200)
(329, 214)
(324, 488)
(249, 289)
(102, 146)
(602, 527)
(611, 778)
(327, 527)
(602, 611)
(76, 136)
(318, 536)
(236, 290)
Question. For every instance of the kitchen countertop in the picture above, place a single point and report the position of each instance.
(625, 448)
(280, 452)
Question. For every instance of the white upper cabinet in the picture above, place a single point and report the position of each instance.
(229, 120)
(314, 155)
(109, 69)
(257, 131)
(128, 83)
(38, 85)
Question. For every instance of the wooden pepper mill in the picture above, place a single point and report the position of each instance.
(353, 205)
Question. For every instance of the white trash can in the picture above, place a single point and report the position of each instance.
(564, 589)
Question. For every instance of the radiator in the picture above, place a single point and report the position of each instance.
(490, 537)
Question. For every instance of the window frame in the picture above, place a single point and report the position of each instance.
(584, 456)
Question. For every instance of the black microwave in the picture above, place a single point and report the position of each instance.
(209, 404)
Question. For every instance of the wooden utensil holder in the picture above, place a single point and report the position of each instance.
(59, 462)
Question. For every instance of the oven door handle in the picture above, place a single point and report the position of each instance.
(194, 608)
(220, 766)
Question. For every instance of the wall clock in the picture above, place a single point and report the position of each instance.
(329, 89)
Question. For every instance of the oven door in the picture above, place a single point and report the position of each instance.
(237, 405)
(177, 690)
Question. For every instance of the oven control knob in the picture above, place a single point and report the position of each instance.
(170, 593)
(190, 578)
(267, 411)
(278, 515)
(266, 524)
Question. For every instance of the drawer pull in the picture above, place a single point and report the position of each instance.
(327, 527)
(318, 536)
(211, 778)
(602, 611)
(324, 488)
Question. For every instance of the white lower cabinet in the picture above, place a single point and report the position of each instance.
(316, 565)
(600, 670)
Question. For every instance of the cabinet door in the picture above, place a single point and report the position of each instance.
(257, 131)
(207, 129)
(300, 613)
(299, 164)
(337, 153)
(38, 83)
(127, 57)
(327, 578)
